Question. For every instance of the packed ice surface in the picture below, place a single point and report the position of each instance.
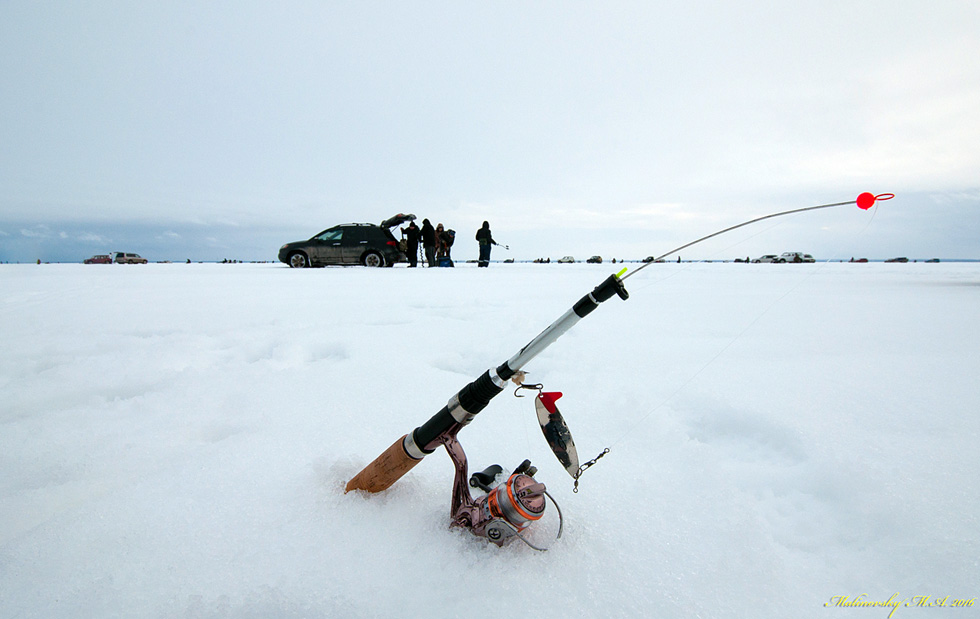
(175, 439)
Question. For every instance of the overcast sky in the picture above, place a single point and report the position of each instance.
(211, 130)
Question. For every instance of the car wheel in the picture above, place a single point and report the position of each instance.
(298, 260)
(373, 259)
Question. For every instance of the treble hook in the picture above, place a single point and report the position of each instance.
(536, 386)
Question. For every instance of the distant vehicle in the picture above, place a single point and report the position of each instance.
(366, 244)
(124, 258)
(794, 256)
(932, 260)
(509, 261)
(542, 261)
(595, 260)
(99, 259)
(566, 260)
(902, 259)
(862, 260)
(767, 258)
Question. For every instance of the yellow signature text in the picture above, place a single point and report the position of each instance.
(896, 601)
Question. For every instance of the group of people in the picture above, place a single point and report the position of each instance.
(437, 243)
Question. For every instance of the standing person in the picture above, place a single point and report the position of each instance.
(412, 236)
(485, 239)
(440, 242)
(429, 242)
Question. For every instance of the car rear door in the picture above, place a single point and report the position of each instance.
(356, 242)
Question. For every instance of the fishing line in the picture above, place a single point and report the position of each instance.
(820, 267)
(710, 362)
(868, 225)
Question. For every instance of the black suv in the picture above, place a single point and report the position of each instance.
(367, 244)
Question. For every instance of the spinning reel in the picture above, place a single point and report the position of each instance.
(513, 504)
(508, 507)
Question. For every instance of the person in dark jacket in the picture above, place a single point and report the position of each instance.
(485, 239)
(429, 242)
(412, 236)
(448, 238)
(444, 242)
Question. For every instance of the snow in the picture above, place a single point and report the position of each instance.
(174, 440)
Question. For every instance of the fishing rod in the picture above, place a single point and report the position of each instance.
(510, 506)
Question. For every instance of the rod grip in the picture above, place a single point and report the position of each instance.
(385, 470)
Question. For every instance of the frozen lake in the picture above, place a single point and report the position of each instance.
(174, 440)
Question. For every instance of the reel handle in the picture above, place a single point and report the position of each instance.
(484, 478)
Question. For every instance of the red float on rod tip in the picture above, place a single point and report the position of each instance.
(866, 200)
